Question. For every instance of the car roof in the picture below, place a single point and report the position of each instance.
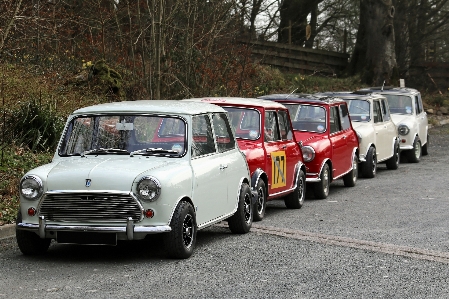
(235, 101)
(362, 95)
(151, 106)
(391, 90)
(303, 98)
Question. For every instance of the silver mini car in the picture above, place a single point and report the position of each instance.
(128, 169)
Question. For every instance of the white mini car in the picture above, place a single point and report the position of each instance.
(408, 114)
(377, 133)
(128, 169)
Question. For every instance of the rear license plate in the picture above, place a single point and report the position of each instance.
(87, 238)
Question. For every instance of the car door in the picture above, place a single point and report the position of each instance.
(230, 157)
(390, 132)
(381, 141)
(421, 116)
(338, 143)
(209, 193)
(292, 150)
(276, 155)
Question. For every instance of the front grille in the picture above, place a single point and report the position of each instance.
(90, 207)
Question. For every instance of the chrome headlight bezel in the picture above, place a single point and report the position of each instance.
(31, 187)
(308, 153)
(148, 189)
(403, 130)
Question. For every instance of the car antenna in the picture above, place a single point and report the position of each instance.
(382, 89)
(292, 92)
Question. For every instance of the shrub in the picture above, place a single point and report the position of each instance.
(34, 125)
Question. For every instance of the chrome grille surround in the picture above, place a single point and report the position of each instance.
(93, 207)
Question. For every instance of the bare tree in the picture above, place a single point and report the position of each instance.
(11, 10)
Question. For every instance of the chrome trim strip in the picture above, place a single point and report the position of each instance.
(214, 221)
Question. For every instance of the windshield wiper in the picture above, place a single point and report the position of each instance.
(104, 151)
(153, 151)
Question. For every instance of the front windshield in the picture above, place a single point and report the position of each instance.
(399, 104)
(308, 118)
(124, 134)
(246, 122)
(359, 110)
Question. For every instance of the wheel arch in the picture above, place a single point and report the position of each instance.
(184, 198)
(259, 174)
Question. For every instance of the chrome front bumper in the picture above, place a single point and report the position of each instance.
(129, 229)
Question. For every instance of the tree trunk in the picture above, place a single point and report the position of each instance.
(374, 53)
(402, 35)
(296, 12)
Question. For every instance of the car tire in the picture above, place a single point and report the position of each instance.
(369, 167)
(261, 203)
(393, 162)
(29, 242)
(321, 188)
(425, 147)
(241, 221)
(414, 155)
(180, 241)
(295, 200)
(350, 178)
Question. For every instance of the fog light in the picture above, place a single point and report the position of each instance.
(149, 213)
(31, 211)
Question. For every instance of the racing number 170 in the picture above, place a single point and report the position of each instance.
(278, 169)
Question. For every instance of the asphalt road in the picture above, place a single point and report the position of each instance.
(387, 237)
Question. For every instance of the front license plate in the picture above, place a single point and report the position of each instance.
(87, 238)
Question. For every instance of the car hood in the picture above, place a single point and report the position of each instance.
(402, 119)
(308, 138)
(104, 173)
(363, 128)
(358, 124)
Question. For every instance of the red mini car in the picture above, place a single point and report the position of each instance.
(329, 143)
(264, 134)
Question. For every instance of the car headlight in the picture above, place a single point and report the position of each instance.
(31, 187)
(148, 189)
(403, 130)
(308, 153)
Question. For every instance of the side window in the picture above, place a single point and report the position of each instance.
(223, 133)
(377, 113)
(284, 124)
(418, 103)
(271, 130)
(345, 124)
(334, 120)
(202, 137)
(385, 110)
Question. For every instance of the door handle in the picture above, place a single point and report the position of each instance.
(223, 166)
(344, 136)
(284, 147)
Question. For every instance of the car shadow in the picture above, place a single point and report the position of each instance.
(150, 249)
